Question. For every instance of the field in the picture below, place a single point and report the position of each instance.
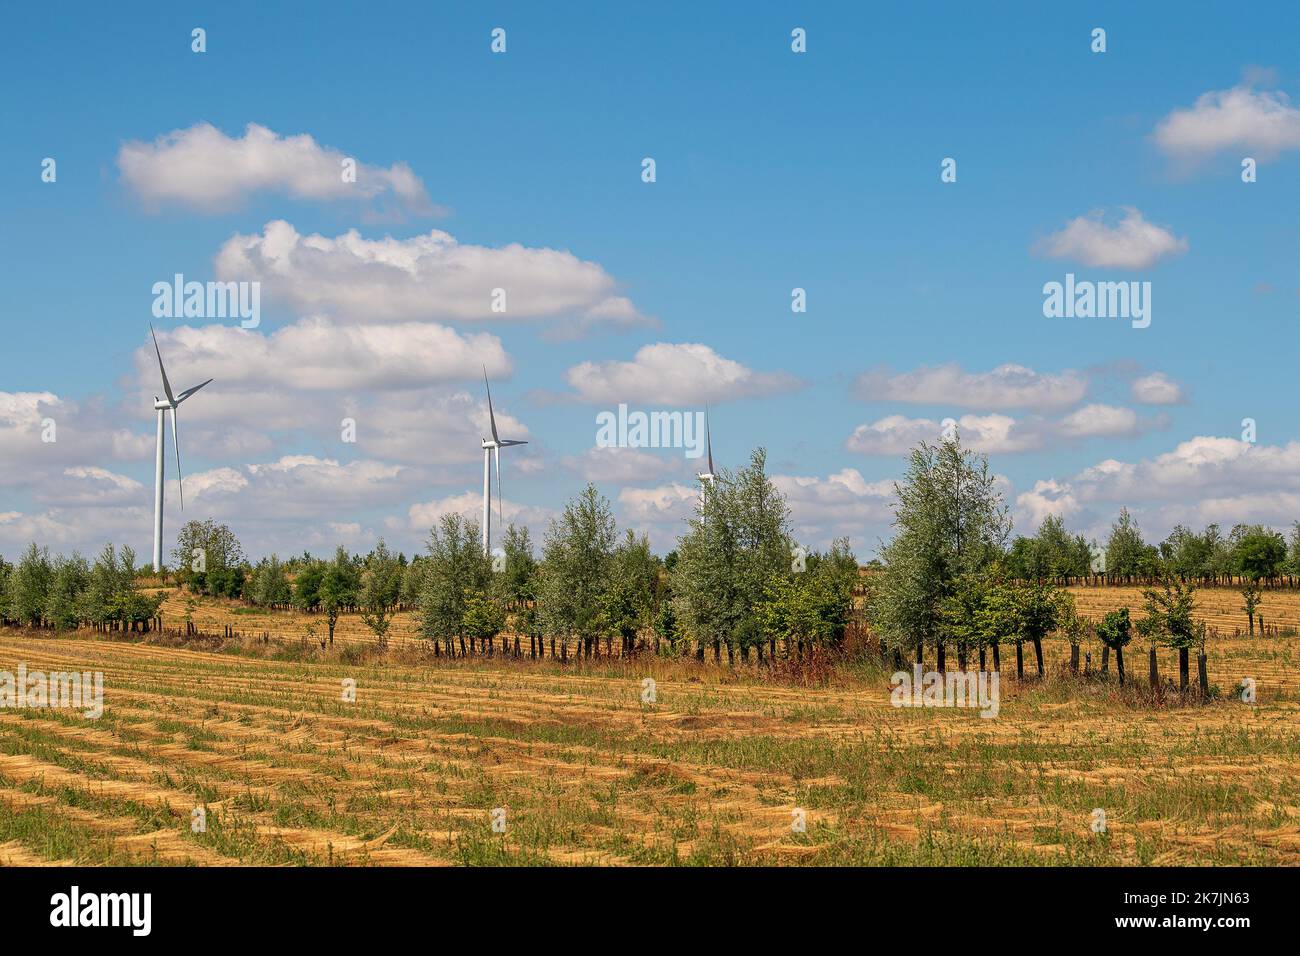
(710, 773)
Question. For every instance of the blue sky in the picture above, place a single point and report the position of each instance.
(775, 170)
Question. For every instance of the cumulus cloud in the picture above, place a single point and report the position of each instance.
(1157, 389)
(623, 465)
(1098, 420)
(843, 504)
(306, 378)
(1007, 386)
(204, 169)
(898, 435)
(425, 515)
(665, 373)
(41, 434)
(315, 354)
(999, 434)
(425, 278)
(1202, 480)
(1131, 243)
(1258, 123)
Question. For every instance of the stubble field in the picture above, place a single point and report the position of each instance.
(586, 773)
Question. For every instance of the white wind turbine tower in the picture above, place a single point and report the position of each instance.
(492, 447)
(169, 404)
(708, 477)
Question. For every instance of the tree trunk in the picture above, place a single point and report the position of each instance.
(1074, 658)
(1105, 659)
(997, 658)
(961, 655)
(1020, 660)
(939, 651)
(717, 651)
(1119, 664)
(920, 652)
(1155, 673)
(1201, 673)
(982, 657)
(1182, 668)
(1038, 654)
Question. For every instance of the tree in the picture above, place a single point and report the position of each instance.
(1070, 625)
(381, 589)
(950, 520)
(28, 585)
(1258, 553)
(209, 559)
(1172, 608)
(1115, 631)
(576, 558)
(307, 585)
(737, 540)
(456, 569)
(628, 601)
(338, 589)
(1251, 595)
(64, 600)
(1038, 608)
(269, 585)
(1126, 553)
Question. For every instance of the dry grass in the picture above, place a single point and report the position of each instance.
(587, 773)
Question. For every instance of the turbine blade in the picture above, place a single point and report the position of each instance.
(708, 438)
(190, 391)
(491, 416)
(176, 443)
(167, 386)
(501, 511)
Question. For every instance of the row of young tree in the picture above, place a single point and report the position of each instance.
(66, 593)
(736, 581)
(949, 580)
(1246, 554)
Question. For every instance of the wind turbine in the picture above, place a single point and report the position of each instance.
(707, 477)
(492, 447)
(169, 404)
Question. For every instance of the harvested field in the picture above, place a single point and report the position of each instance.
(587, 774)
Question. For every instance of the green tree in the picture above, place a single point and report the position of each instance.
(29, 586)
(576, 558)
(949, 519)
(381, 589)
(456, 569)
(338, 589)
(65, 599)
(1115, 631)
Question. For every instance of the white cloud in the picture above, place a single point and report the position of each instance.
(1099, 420)
(1157, 389)
(423, 516)
(841, 504)
(623, 465)
(999, 434)
(1258, 123)
(424, 278)
(1203, 479)
(898, 435)
(671, 374)
(1004, 387)
(314, 354)
(202, 168)
(1132, 243)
